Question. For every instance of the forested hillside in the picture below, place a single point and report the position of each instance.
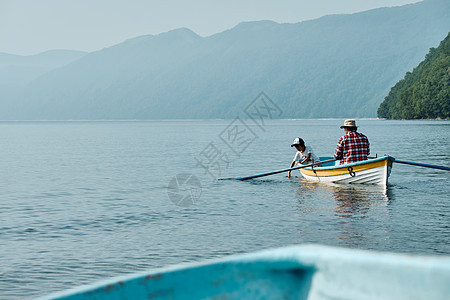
(424, 93)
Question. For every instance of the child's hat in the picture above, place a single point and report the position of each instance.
(297, 141)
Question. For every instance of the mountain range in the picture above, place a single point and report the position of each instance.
(17, 71)
(336, 66)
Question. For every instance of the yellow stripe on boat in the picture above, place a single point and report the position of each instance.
(343, 169)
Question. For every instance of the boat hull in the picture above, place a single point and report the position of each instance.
(305, 272)
(371, 171)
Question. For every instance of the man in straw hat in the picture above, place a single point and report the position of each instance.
(353, 146)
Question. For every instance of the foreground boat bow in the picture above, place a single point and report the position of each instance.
(305, 272)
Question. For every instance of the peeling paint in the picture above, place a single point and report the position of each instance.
(153, 277)
(110, 287)
(161, 293)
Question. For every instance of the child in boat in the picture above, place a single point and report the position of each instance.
(304, 155)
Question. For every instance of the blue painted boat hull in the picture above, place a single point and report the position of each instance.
(305, 272)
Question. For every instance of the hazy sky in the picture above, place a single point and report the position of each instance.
(33, 26)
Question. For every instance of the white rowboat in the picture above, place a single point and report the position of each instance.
(371, 171)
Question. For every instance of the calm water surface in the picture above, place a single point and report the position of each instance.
(82, 201)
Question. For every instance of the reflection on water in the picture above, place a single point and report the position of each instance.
(349, 213)
(350, 199)
(355, 201)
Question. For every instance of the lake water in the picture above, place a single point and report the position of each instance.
(84, 201)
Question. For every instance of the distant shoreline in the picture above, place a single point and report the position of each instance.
(436, 119)
(210, 119)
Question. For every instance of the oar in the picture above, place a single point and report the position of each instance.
(421, 165)
(285, 170)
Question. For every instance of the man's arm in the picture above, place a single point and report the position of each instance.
(339, 149)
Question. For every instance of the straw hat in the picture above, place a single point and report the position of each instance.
(349, 123)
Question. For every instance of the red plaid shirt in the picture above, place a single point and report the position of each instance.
(352, 147)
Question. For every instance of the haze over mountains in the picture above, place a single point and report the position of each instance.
(335, 66)
(17, 71)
